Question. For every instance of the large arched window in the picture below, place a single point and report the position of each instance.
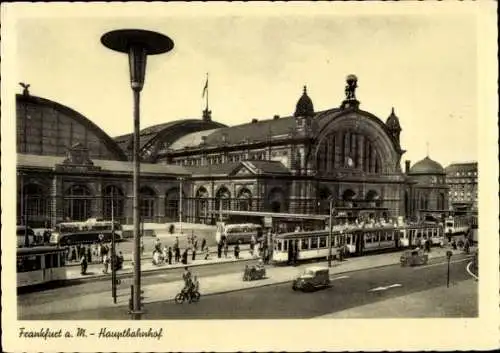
(77, 203)
(223, 199)
(441, 202)
(147, 203)
(244, 200)
(113, 202)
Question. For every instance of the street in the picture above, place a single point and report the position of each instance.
(347, 290)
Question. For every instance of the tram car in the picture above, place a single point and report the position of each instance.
(458, 225)
(357, 241)
(40, 265)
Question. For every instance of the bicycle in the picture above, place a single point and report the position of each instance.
(190, 297)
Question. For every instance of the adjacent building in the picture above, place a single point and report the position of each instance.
(462, 181)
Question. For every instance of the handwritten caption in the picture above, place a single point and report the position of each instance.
(102, 333)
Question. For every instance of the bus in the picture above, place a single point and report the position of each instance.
(238, 233)
(40, 265)
(91, 231)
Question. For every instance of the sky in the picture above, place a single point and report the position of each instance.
(424, 64)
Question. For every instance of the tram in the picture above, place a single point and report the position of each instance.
(357, 241)
(457, 225)
(39, 265)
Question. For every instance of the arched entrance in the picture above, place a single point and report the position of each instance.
(113, 200)
(373, 198)
(172, 202)
(33, 204)
(324, 195)
(276, 200)
(348, 198)
(222, 199)
(244, 200)
(77, 203)
(202, 205)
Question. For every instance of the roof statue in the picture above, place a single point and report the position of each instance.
(25, 87)
(350, 88)
(350, 101)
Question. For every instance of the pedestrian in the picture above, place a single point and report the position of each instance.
(105, 261)
(83, 265)
(177, 254)
(207, 253)
(195, 244)
(226, 249)
(142, 247)
(185, 256)
(193, 257)
(73, 254)
(169, 255)
(203, 243)
(237, 251)
(219, 250)
(78, 250)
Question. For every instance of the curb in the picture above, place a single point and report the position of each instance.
(476, 278)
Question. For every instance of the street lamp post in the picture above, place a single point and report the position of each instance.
(180, 204)
(137, 44)
(330, 235)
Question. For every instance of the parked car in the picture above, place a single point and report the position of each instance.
(312, 278)
(414, 257)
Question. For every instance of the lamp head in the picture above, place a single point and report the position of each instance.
(138, 44)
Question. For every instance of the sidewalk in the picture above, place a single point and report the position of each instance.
(219, 283)
(94, 271)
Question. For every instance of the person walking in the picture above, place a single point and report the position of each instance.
(237, 251)
(226, 249)
(83, 265)
(207, 253)
(195, 243)
(89, 255)
(73, 254)
(169, 254)
(219, 249)
(185, 257)
(193, 256)
(105, 261)
(203, 244)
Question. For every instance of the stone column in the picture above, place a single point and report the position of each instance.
(56, 201)
(97, 202)
(338, 150)
(361, 150)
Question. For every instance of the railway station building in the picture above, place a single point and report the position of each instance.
(69, 168)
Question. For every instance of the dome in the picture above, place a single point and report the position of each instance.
(393, 122)
(427, 166)
(304, 105)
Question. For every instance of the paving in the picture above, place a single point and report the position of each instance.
(214, 284)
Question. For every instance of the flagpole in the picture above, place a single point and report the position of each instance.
(206, 104)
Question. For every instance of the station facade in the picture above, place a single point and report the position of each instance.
(343, 157)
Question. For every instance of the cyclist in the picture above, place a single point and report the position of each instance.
(187, 277)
